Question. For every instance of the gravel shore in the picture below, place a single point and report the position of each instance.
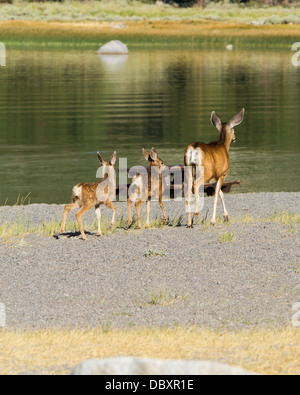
(157, 277)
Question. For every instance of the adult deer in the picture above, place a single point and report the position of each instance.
(145, 186)
(88, 195)
(214, 159)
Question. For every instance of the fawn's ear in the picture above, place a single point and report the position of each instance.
(216, 121)
(146, 155)
(101, 160)
(237, 119)
(153, 155)
(113, 159)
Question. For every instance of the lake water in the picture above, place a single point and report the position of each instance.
(57, 108)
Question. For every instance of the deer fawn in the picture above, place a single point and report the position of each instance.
(88, 195)
(142, 189)
(214, 159)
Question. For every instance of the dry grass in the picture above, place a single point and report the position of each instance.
(143, 33)
(173, 28)
(56, 352)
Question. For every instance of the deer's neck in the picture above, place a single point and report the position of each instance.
(153, 169)
(225, 140)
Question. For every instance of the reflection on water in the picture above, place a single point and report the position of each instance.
(58, 108)
(113, 62)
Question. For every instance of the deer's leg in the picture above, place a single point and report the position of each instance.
(218, 189)
(189, 195)
(197, 184)
(79, 215)
(138, 212)
(109, 204)
(67, 209)
(195, 187)
(129, 205)
(225, 213)
(98, 214)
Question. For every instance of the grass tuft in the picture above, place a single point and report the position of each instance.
(227, 237)
(151, 253)
(165, 297)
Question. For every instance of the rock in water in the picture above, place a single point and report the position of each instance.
(114, 47)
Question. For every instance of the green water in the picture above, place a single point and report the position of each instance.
(57, 108)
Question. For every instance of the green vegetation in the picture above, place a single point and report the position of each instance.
(286, 218)
(150, 253)
(165, 297)
(21, 200)
(113, 10)
(9, 230)
(86, 24)
(227, 237)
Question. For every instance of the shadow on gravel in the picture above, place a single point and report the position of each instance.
(69, 235)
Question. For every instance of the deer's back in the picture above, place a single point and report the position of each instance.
(213, 157)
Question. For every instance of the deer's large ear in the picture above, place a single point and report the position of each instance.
(237, 119)
(146, 155)
(113, 159)
(101, 160)
(216, 121)
(153, 155)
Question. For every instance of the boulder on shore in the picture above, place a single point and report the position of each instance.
(114, 47)
(141, 366)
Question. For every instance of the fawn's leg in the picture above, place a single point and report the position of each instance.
(67, 209)
(109, 204)
(129, 205)
(98, 214)
(163, 209)
(138, 212)
(79, 215)
(148, 208)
